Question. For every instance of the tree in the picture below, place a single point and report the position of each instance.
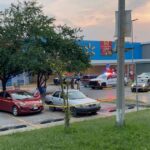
(19, 23)
(65, 54)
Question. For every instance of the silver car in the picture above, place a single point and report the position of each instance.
(78, 102)
(143, 85)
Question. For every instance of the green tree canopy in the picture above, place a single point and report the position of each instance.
(19, 23)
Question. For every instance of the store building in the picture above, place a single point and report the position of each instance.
(103, 54)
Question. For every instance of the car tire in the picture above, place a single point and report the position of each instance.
(103, 84)
(94, 113)
(51, 108)
(101, 87)
(74, 112)
(15, 111)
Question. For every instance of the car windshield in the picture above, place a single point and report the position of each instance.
(73, 95)
(103, 76)
(145, 74)
(21, 95)
(141, 81)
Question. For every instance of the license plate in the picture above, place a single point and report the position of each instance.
(35, 107)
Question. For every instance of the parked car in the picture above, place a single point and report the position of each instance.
(86, 79)
(143, 84)
(144, 75)
(20, 102)
(78, 102)
(105, 80)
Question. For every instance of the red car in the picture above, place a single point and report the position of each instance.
(20, 102)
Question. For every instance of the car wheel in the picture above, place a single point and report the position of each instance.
(103, 84)
(93, 87)
(51, 108)
(94, 113)
(74, 112)
(15, 111)
(100, 87)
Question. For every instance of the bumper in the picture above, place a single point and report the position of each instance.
(30, 110)
(139, 89)
(87, 110)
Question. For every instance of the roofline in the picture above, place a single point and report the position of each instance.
(145, 43)
(127, 61)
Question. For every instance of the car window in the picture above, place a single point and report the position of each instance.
(56, 94)
(21, 95)
(5, 95)
(1, 94)
(74, 95)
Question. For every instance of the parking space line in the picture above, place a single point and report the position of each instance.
(27, 123)
(106, 100)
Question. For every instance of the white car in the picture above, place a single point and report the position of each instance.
(144, 75)
(78, 102)
(143, 84)
(105, 80)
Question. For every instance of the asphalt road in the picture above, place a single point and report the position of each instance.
(110, 93)
(7, 120)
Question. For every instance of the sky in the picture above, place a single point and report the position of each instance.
(96, 18)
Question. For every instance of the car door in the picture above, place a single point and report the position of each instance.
(148, 82)
(110, 81)
(5, 101)
(56, 98)
(1, 100)
(8, 102)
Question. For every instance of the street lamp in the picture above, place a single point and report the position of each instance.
(134, 64)
(132, 36)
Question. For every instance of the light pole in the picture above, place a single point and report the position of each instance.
(132, 36)
(120, 64)
(134, 64)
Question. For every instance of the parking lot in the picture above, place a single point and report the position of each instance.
(105, 96)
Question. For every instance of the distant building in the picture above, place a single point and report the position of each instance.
(103, 55)
(21, 79)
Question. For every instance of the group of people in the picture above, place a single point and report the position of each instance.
(75, 82)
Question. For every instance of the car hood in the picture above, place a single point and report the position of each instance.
(140, 84)
(82, 101)
(95, 79)
(29, 101)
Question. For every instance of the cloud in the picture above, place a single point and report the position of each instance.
(135, 4)
(80, 13)
(95, 17)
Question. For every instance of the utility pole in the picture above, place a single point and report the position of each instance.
(120, 64)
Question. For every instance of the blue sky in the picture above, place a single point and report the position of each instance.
(96, 17)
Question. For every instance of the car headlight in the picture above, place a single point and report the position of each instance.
(40, 101)
(22, 104)
(144, 85)
(132, 85)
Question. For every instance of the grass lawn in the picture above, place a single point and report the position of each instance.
(99, 134)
